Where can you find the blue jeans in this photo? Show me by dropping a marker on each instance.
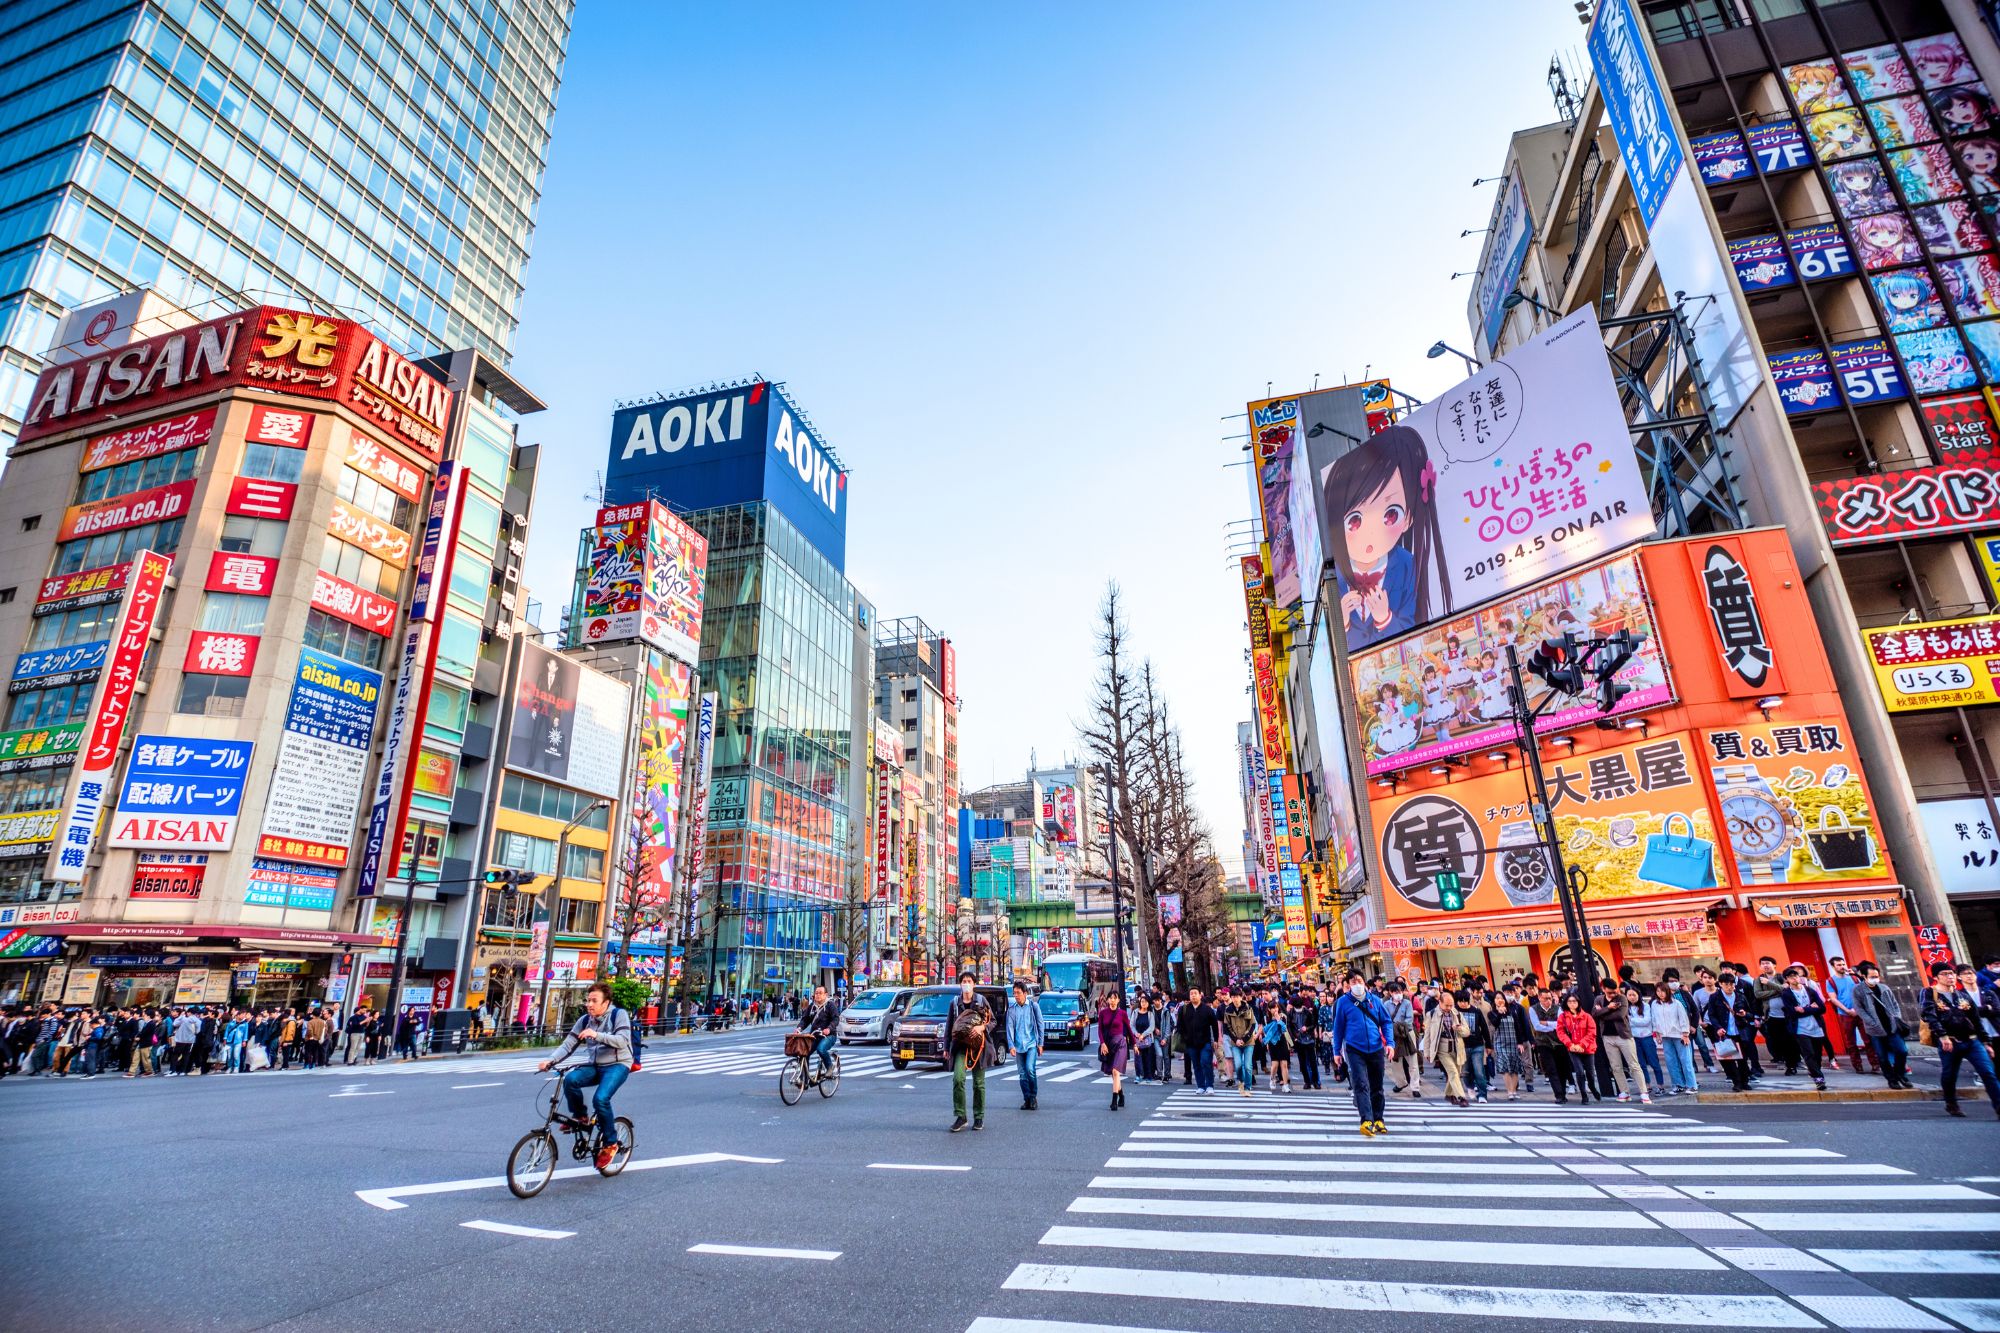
(1680, 1063)
(1027, 1060)
(1246, 1072)
(1203, 1059)
(1974, 1051)
(1892, 1053)
(1475, 1068)
(823, 1048)
(608, 1078)
(1649, 1061)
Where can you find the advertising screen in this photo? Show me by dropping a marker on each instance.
(1443, 692)
(1520, 472)
(664, 702)
(1274, 442)
(1336, 783)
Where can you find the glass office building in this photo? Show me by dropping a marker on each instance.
(778, 651)
(380, 160)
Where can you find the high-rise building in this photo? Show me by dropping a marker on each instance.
(916, 684)
(382, 162)
(783, 634)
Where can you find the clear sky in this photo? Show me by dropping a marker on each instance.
(1020, 262)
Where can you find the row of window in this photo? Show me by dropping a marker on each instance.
(531, 797)
(524, 851)
(138, 475)
(50, 707)
(115, 548)
(32, 791)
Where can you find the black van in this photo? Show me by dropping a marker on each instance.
(918, 1033)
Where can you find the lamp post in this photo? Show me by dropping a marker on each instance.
(1520, 298)
(555, 883)
(1440, 347)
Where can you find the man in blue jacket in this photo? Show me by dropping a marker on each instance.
(1360, 1037)
(1026, 1040)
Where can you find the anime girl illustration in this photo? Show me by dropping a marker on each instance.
(1838, 134)
(1381, 503)
(1909, 300)
(1950, 229)
(1980, 159)
(1860, 189)
(1878, 71)
(1816, 86)
(1886, 240)
(1966, 110)
(1936, 361)
(1941, 60)
(1394, 729)
(1974, 286)
(1492, 689)
(1902, 121)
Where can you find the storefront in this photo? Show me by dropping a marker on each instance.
(126, 964)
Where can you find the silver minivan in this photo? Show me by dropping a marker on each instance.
(868, 1015)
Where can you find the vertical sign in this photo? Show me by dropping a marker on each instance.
(107, 716)
(697, 807)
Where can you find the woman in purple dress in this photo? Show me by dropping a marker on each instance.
(1114, 1040)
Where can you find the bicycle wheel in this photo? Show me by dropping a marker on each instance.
(830, 1082)
(532, 1164)
(624, 1154)
(792, 1082)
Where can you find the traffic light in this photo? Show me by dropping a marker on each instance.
(510, 879)
(1451, 898)
(1555, 661)
(1615, 653)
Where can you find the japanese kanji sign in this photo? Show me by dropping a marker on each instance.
(255, 497)
(1937, 664)
(1794, 803)
(380, 462)
(106, 727)
(322, 762)
(213, 653)
(181, 792)
(53, 667)
(165, 436)
(358, 527)
(1956, 496)
(357, 606)
(86, 587)
(284, 426)
(1737, 627)
(229, 571)
(1965, 843)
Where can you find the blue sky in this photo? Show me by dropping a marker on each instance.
(1019, 262)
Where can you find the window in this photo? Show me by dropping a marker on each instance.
(213, 696)
(138, 475)
(530, 797)
(6, 596)
(358, 567)
(86, 624)
(328, 633)
(449, 707)
(31, 522)
(111, 548)
(371, 495)
(50, 707)
(576, 916)
(274, 462)
(234, 612)
(252, 536)
(458, 644)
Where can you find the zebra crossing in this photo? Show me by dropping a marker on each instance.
(1220, 1212)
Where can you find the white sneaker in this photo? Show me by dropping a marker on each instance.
(1645, 1100)
(1624, 1096)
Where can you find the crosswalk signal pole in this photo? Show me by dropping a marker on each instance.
(1568, 889)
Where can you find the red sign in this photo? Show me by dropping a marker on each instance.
(256, 497)
(290, 351)
(156, 505)
(165, 436)
(284, 426)
(84, 583)
(358, 527)
(374, 460)
(1960, 496)
(211, 653)
(441, 991)
(357, 606)
(1934, 946)
(298, 849)
(949, 673)
(167, 883)
(1962, 422)
(228, 571)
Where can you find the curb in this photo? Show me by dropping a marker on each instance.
(1814, 1095)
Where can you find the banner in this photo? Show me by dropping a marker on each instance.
(316, 784)
(697, 805)
(1263, 667)
(181, 792)
(1443, 693)
(299, 887)
(39, 747)
(1511, 477)
(1794, 806)
(106, 728)
(169, 877)
(1964, 841)
(51, 668)
(663, 725)
(1723, 158)
(1274, 440)
(1635, 819)
(645, 576)
(1937, 664)
(1959, 496)
(1804, 381)
(166, 436)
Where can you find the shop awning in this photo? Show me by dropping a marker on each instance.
(1680, 919)
(248, 938)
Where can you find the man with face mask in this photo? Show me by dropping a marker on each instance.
(1359, 1038)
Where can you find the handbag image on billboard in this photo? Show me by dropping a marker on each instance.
(1679, 860)
(1844, 847)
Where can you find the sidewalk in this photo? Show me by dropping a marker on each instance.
(1842, 1085)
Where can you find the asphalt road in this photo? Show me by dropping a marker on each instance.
(286, 1202)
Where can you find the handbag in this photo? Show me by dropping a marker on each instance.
(1679, 861)
(258, 1058)
(1843, 848)
(1727, 1049)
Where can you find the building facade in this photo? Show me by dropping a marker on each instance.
(382, 161)
(915, 695)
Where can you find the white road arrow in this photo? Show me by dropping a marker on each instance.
(388, 1199)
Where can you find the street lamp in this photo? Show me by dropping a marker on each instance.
(1440, 347)
(1321, 428)
(1522, 298)
(555, 883)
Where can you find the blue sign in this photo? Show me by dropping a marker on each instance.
(1868, 373)
(1761, 263)
(333, 700)
(1778, 147)
(137, 959)
(1723, 158)
(1634, 105)
(58, 666)
(1821, 252)
(182, 775)
(731, 446)
(833, 960)
(1804, 381)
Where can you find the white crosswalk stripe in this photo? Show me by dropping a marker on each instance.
(1222, 1212)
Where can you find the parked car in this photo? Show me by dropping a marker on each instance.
(918, 1033)
(1064, 1020)
(868, 1016)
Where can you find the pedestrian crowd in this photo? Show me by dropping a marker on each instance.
(181, 1040)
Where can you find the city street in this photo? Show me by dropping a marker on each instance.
(373, 1198)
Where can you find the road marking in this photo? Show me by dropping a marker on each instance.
(1236, 1185)
(1867, 1311)
(456, 1087)
(381, 1092)
(1625, 1154)
(913, 1166)
(1857, 1193)
(1567, 1307)
(1383, 1162)
(1842, 1169)
(1177, 1140)
(1981, 1316)
(1875, 1221)
(1689, 1219)
(1913, 1261)
(1771, 1259)
(1685, 1258)
(989, 1324)
(760, 1252)
(1618, 1219)
(1072, 1076)
(509, 1229)
(389, 1199)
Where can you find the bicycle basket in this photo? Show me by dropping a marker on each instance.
(798, 1043)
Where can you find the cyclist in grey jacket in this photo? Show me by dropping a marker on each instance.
(605, 1033)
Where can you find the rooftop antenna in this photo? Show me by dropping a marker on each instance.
(1568, 104)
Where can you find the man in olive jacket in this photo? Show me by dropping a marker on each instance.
(973, 1047)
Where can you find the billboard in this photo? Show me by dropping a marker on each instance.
(316, 784)
(1520, 472)
(98, 746)
(1336, 783)
(1937, 664)
(1271, 721)
(1965, 842)
(1794, 805)
(643, 579)
(49, 668)
(1444, 692)
(729, 446)
(1274, 440)
(181, 793)
(165, 436)
(1059, 813)
(1506, 248)
(544, 723)
(1961, 495)
(664, 699)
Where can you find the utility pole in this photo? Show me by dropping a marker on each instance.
(395, 1005)
(555, 884)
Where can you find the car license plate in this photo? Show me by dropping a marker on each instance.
(909, 1053)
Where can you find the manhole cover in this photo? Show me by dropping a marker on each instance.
(1206, 1115)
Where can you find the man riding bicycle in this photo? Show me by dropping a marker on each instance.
(821, 1019)
(607, 1033)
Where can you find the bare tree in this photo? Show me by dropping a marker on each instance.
(631, 913)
